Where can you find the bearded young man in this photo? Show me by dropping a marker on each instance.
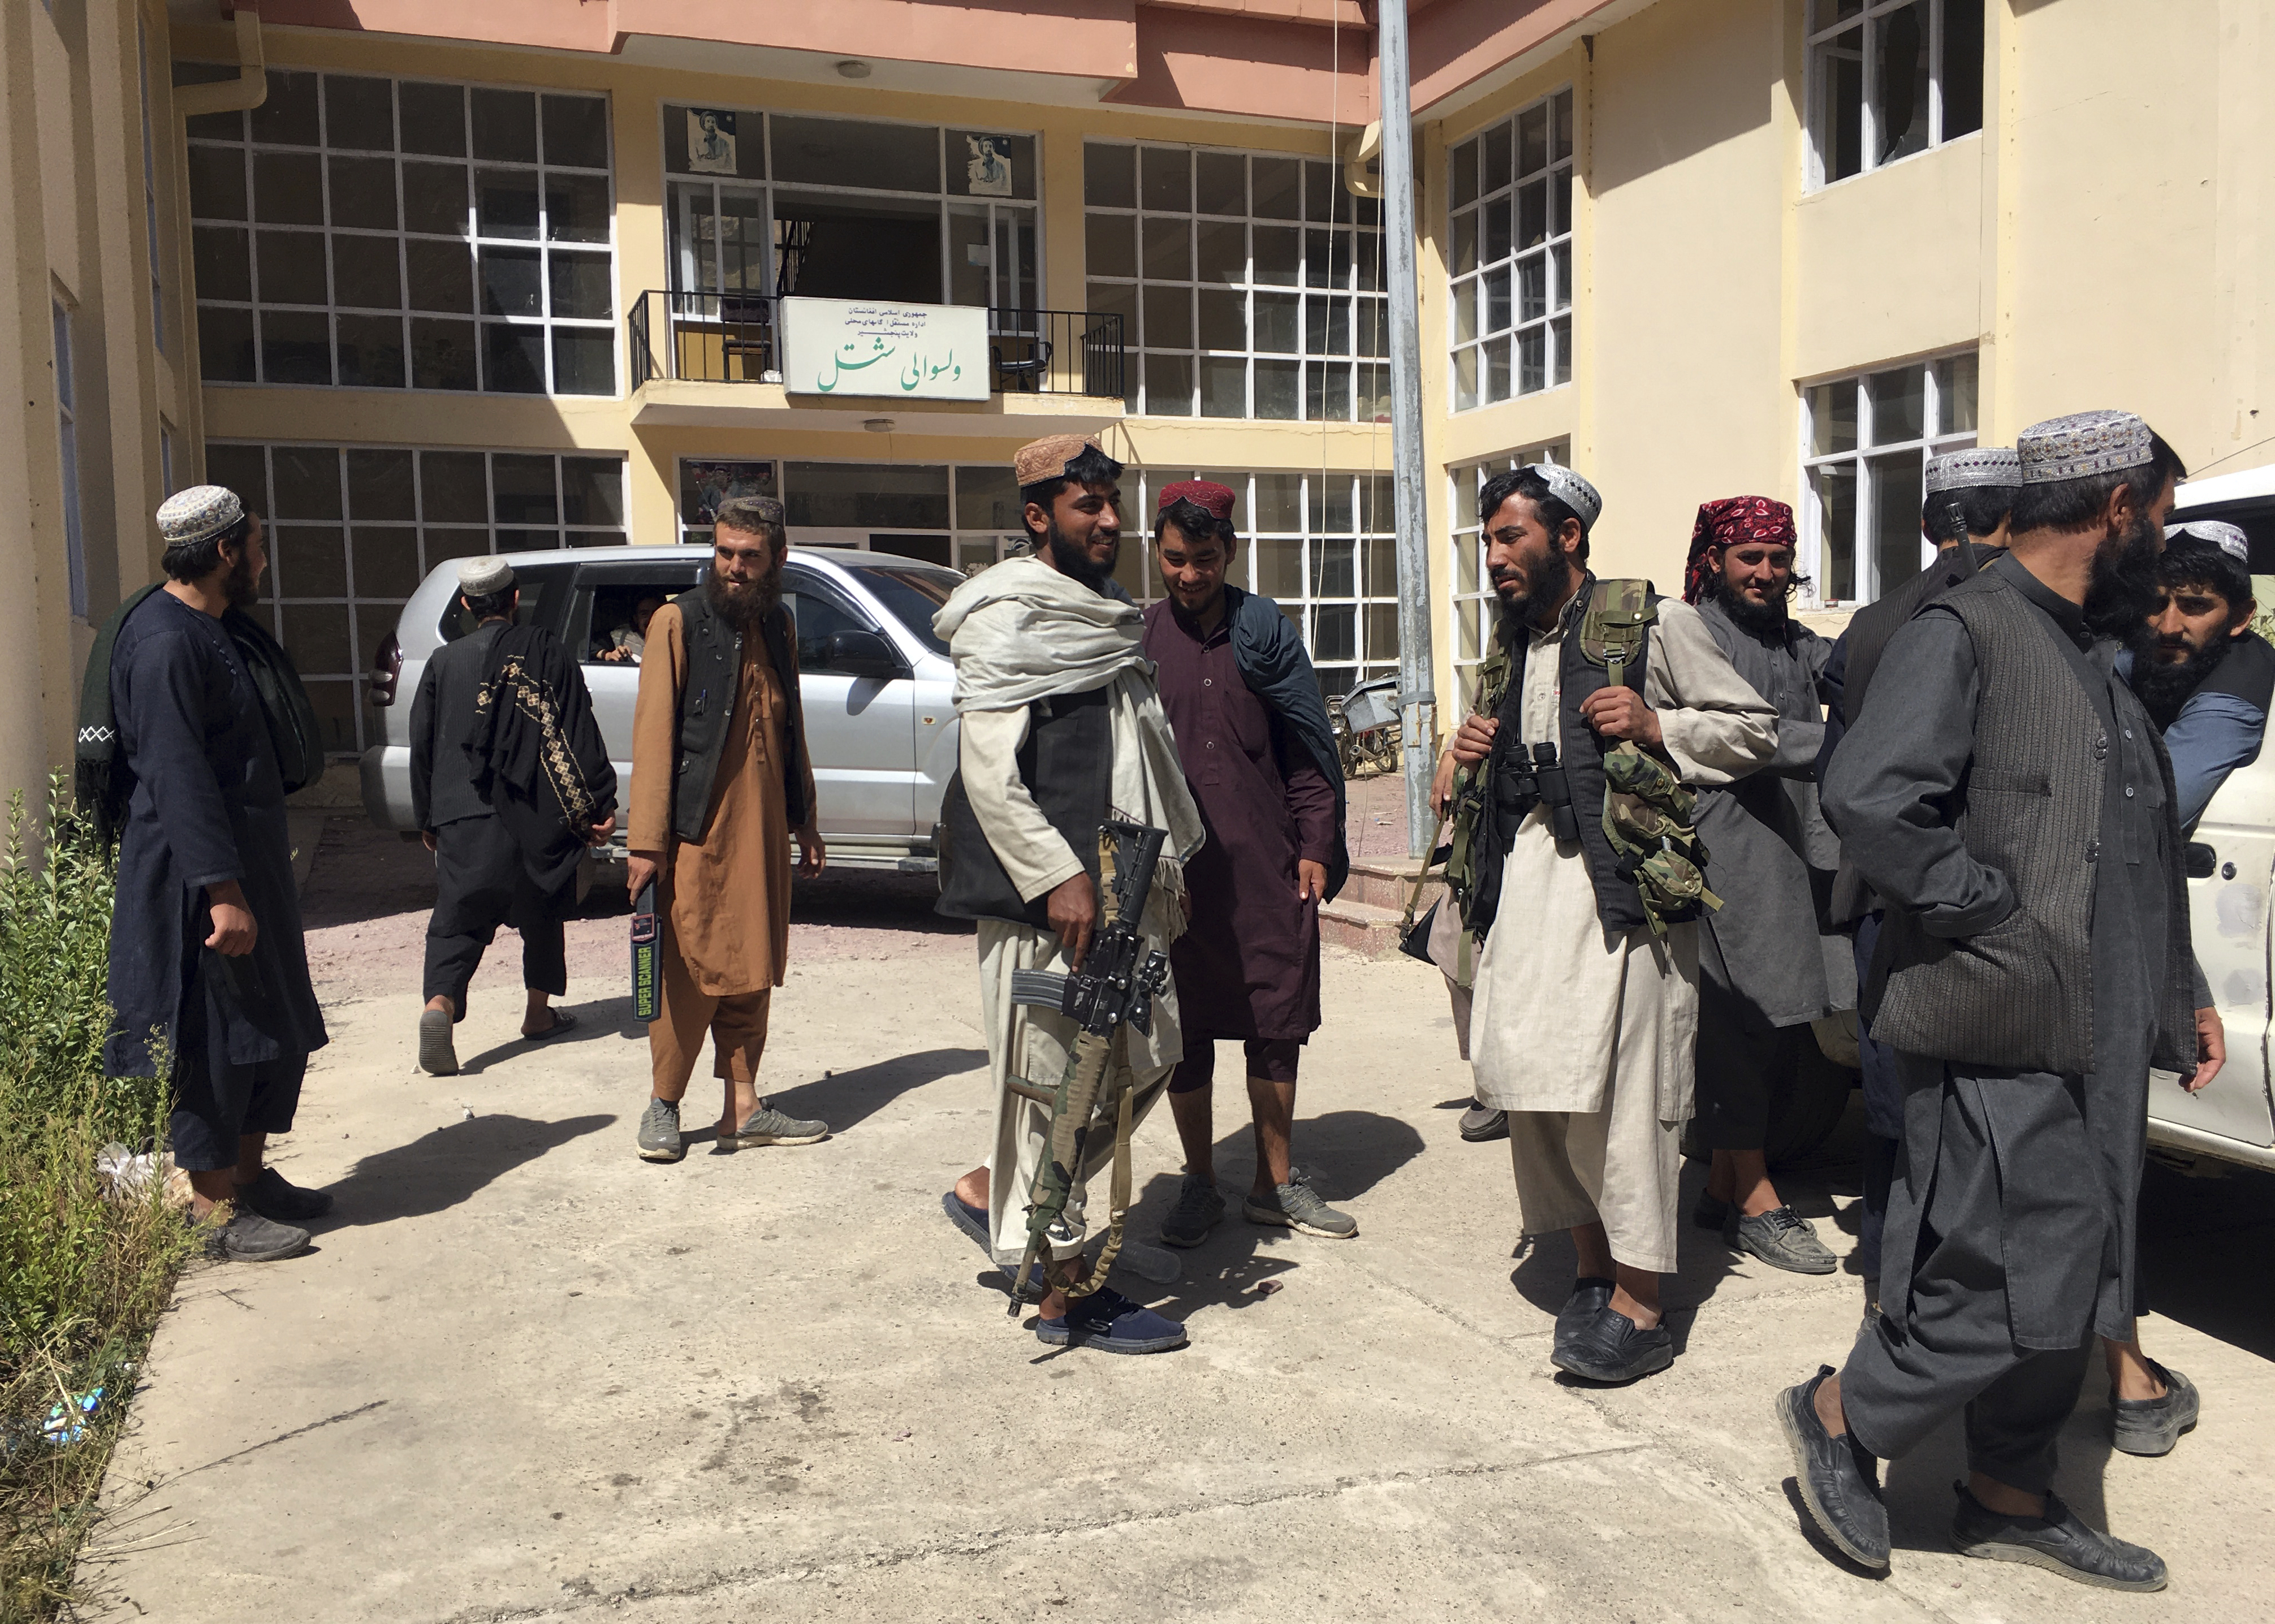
(1062, 729)
(1259, 758)
(2205, 675)
(1585, 1015)
(720, 786)
(199, 710)
(2015, 814)
(1768, 963)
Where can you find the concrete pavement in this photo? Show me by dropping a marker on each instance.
(526, 1376)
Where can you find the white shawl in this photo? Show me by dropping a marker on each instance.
(1022, 632)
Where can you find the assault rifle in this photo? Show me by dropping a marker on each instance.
(1113, 988)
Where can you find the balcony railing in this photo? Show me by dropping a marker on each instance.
(736, 338)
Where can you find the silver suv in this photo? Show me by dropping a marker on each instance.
(880, 725)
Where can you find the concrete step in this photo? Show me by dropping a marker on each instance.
(1386, 882)
(1361, 927)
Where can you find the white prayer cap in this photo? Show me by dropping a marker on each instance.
(197, 514)
(2227, 538)
(1981, 465)
(1570, 489)
(2082, 445)
(483, 574)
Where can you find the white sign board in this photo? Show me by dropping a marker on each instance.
(838, 346)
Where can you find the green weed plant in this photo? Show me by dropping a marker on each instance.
(85, 1270)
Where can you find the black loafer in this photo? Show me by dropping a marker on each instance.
(2057, 1542)
(1589, 1296)
(2153, 1426)
(280, 1202)
(1838, 1481)
(1480, 1123)
(1610, 1348)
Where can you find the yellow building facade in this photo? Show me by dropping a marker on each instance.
(471, 284)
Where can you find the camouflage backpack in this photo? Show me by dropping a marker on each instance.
(1649, 817)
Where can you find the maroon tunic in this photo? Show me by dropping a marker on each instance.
(1248, 964)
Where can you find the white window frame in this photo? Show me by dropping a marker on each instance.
(1823, 42)
(1351, 384)
(1481, 347)
(67, 445)
(1943, 405)
(368, 240)
(1476, 606)
(1005, 271)
(370, 618)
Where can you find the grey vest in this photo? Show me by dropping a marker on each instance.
(2020, 995)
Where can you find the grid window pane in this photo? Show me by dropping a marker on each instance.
(1867, 442)
(1510, 234)
(1251, 230)
(364, 191)
(1890, 79)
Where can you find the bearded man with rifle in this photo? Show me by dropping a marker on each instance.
(1062, 734)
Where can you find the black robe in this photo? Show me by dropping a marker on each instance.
(208, 806)
(535, 753)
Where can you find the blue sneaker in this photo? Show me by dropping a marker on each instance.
(1111, 1323)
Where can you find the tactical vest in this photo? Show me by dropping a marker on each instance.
(1067, 764)
(707, 704)
(1581, 752)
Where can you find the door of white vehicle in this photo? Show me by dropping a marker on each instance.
(860, 702)
(2231, 875)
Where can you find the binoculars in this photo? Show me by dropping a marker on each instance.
(1523, 783)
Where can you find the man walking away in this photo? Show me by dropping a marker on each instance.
(721, 785)
(484, 877)
(1768, 963)
(1969, 496)
(2015, 812)
(205, 937)
(1062, 730)
(1259, 758)
(1587, 991)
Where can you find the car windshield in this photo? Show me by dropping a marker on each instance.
(914, 594)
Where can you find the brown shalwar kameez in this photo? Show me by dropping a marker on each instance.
(723, 901)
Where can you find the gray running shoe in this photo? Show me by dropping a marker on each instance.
(1782, 1238)
(768, 1126)
(436, 1056)
(1480, 1123)
(1297, 1206)
(1198, 1208)
(658, 1131)
(247, 1237)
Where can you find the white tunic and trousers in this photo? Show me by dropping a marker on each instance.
(1584, 1039)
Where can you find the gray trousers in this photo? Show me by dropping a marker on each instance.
(1953, 1345)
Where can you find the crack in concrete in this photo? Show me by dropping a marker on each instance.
(345, 1414)
(979, 1544)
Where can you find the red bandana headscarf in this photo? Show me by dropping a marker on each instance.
(1731, 522)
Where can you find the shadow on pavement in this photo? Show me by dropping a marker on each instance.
(608, 1018)
(848, 1098)
(438, 1170)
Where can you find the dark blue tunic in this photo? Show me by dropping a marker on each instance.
(208, 806)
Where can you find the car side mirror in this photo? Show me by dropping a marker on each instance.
(2201, 860)
(865, 653)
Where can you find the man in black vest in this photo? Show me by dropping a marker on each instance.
(1061, 729)
(1585, 1014)
(1970, 496)
(2016, 815)
(1768, 965)
(720, 786)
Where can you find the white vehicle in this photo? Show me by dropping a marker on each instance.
(2231, 865)
(880, 728)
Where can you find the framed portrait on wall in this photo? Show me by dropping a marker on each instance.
(987, 171)
(710, 141)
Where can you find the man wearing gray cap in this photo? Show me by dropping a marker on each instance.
(206, 950)
(493, 865)
(1969, 496)
(2016, 815)
(1586, 992)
